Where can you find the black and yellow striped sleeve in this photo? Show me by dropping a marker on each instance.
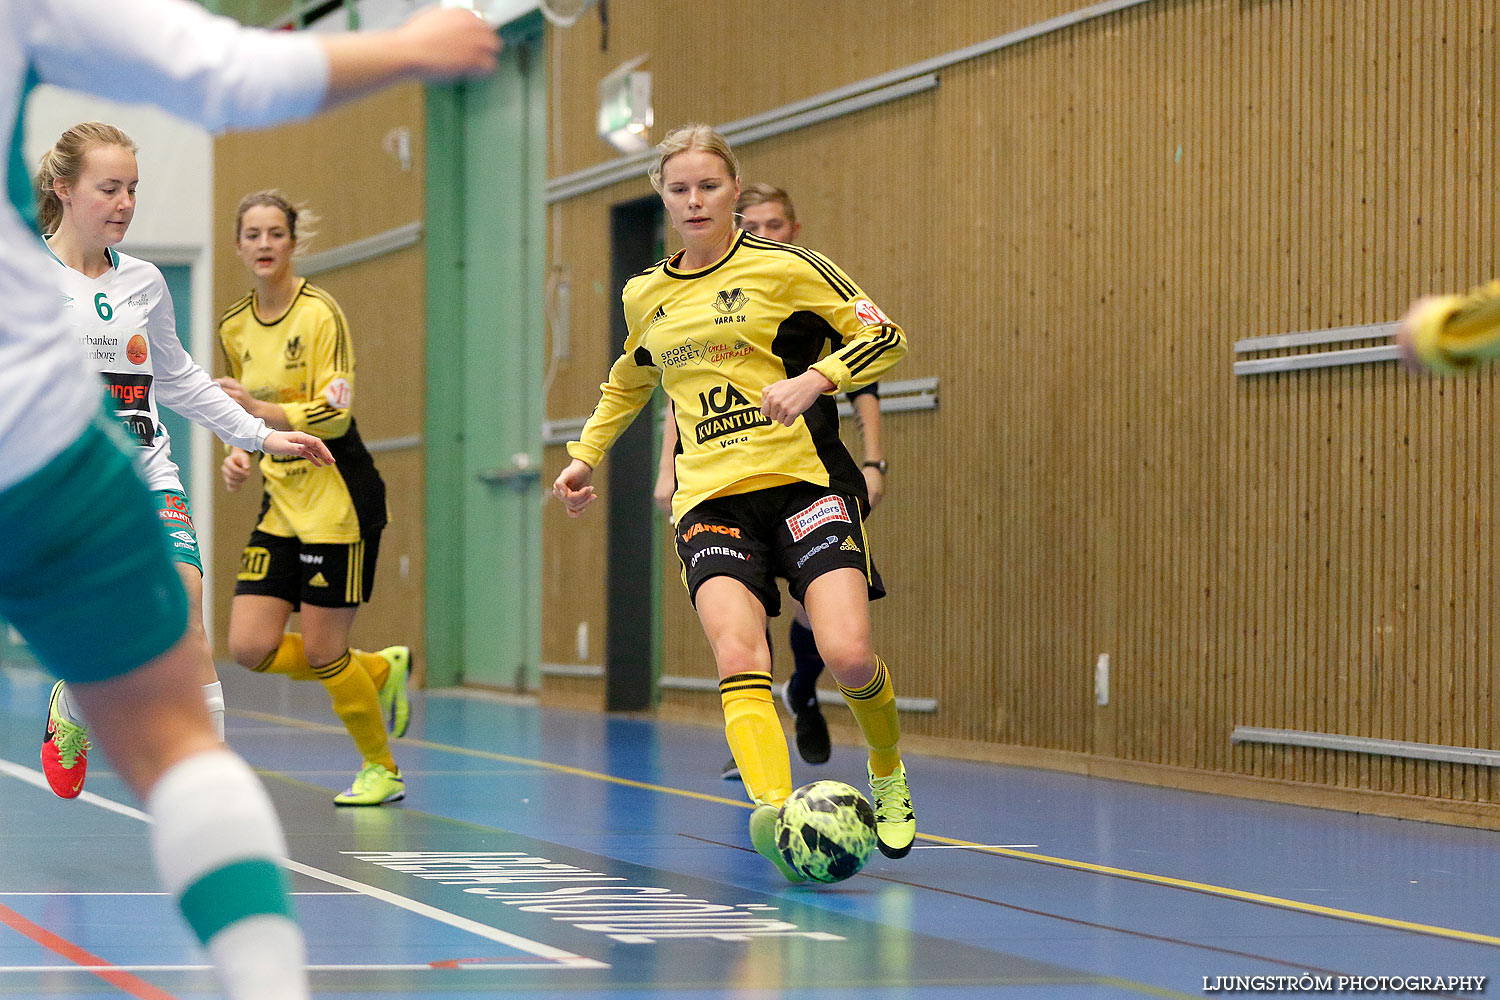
(329, 408)
(871, 343)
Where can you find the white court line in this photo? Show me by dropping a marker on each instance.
(310, 968)
(566, 958)
(557, 957)
(968, 847)
(37, 778)
(105, 892)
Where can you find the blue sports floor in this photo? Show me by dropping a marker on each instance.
(551, 853)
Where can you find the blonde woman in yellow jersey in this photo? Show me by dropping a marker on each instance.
(767, 211)
(751, 339)
(291, 363)
(1449, 334)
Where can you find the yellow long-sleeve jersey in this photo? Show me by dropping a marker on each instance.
(715, 338)
(1453, 333)
(304, 361)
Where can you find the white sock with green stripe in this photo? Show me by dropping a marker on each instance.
(217, 844)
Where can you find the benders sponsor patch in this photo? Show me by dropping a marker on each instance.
(829, 509)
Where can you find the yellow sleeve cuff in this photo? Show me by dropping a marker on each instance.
(836, 372)
(585, 453)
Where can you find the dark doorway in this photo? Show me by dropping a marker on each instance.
(632, 639)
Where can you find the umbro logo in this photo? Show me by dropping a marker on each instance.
(730, 300)
(849, 546)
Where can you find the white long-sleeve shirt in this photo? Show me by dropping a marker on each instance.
(126, 324)
(170, 53)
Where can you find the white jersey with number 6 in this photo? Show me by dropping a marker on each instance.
(126, 325)
(171, 53)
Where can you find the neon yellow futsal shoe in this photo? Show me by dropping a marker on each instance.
(65, 751)
(895, 823)
(395, 705)
(374, 785)
(763, 839)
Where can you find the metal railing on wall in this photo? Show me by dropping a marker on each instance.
(1366, 744)
(1299, 359)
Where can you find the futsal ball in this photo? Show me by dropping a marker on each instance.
(826, 831)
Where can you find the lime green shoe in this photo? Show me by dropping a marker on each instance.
(763, 839)
(374, 785)
(895, 823)
(395, 706)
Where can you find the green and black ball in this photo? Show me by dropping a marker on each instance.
(826, 831)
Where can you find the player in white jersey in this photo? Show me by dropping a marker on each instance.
(121, 312)
(74, 514)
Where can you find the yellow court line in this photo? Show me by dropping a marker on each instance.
(1083, 866)
(1219, 890)
(492, 755)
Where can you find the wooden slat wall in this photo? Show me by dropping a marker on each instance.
(1074, 232)
(337, 165)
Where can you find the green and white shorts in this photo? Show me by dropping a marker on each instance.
(85, 574)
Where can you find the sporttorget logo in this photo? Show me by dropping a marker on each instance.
(715, 352)
(677, 357)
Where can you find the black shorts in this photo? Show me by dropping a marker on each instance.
(326, 576)
(797, 532)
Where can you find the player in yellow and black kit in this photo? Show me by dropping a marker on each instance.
(1449, 334)
(751, 339)
(291, 364)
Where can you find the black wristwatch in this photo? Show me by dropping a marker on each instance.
(880, 465)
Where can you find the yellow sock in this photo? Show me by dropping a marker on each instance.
(755, 736)
(357, 704)
(874, 708)
(373, 664)
(289, 659)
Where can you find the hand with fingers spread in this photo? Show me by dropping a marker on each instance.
(299, 444)
(573, 489)
(788, 399)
